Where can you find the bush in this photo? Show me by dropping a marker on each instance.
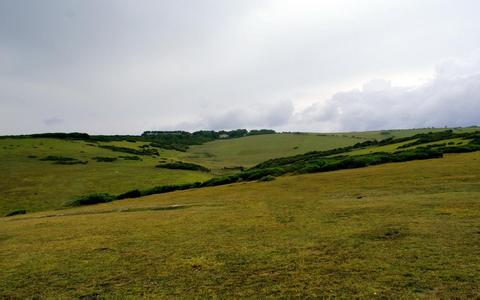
(179, 165)
(419, 153)
(170, 188)
(16, 212)
(62, 160)
(129, 194)
(250, 175)
(267, 178)
(75, 162)
(104, 159)
(91, 199)
(220, 180)
(133, 157)
(57, 158)
(130, 150)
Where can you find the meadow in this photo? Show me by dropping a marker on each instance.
(409, 230)
(31, 183)
(383, 214)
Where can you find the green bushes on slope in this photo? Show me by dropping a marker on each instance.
(311, 162)
(179, 165)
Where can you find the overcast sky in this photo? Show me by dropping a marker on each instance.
(125, 66)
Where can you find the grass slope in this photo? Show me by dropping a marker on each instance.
(251, 150)
(404, 229)
(32, 184)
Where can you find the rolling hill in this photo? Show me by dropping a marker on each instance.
(407, 229)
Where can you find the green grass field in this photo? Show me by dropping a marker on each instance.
(251, 150)
(401, 230)
(31, 184)
(399, 133)
(34, 185)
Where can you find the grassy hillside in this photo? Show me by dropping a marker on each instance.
(33, 181)
(403, 229)
(251, 150)
(32, 184)
(401, 133)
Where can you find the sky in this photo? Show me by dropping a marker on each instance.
(126, 66)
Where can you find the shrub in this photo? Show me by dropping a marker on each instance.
(220, 180)
(104, 159)
(16, 212)
(170, 188)
(250, 175)
(179, 165)
(133, 157)
(419, 153)
(130, 150)
(75, 162)
(91, 199)
(267, 178)
(62, 160)
(129, 194)
(57, 158)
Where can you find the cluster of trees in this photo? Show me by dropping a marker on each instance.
(181, 140)
(171, 140)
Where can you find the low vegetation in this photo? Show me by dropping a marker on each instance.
(104, 159)
(143, 151)
(16, 213)
(62, 160)
(180, 165)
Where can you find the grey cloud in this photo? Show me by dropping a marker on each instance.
(272, 115)
(53, 121)
(452, 98)
(124, 66)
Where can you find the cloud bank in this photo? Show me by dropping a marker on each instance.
(123, 66)
(451, 98)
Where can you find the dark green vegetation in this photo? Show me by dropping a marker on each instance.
(142, 151)
(62, 160)
(180, 165)
(401, 230)
(91, 199)
(16, 212)
(104, 159)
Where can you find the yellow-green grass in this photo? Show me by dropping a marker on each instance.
(31, 184)
(402, 230)
(394, 147)
(251, 150)
(400, 133)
